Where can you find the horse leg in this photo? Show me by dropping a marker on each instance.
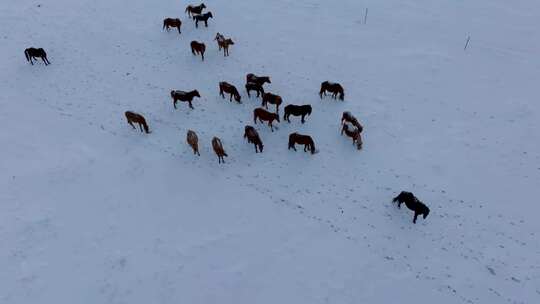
(415, 216)
(47, 59)
(174, 103)
(44, 60)
(140, 126)
(206, 23)
(248, 93)
(190, 105)
(196, 23)
(303, 118)
(179, 32)
(399, 204)
(131, 124)
(202, 55)
(271, 127)
(230, 98)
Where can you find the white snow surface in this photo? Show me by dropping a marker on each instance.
(92, 211)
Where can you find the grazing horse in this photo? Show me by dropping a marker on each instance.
(252, 86)
(260, 80)
(264, 115)
(253, 138)
(218, 148)
(198, 48)
(348, 117)
(273, 99)
(334, 88)
(193, 141)
(203, 17)
(306, 140)
(225, 87)
(172, 22)
(412, 203)
(137, 118)
(195, 9)
(33, 53)
(178, 95)
(354, 134)
(297, 111)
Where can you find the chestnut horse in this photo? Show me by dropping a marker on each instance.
(306, 140)
(218, 148)
(203, 17)
(252, 86)
(412, 203)
(133, 117)
(273, 99)
(334, 88)
(170, 22)
(33, 53)
(253, 138)
(354, 134)
(195, 9)
(297, 111)
(178, 95)
(263, 116)
(193, 141)
(348, 117)
(229, 89)
(260, 80)
(198, 48)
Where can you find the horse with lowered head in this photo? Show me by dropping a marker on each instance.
(263, 116)
(172, 22)
(133, 117)
(253, 138)
(412, 203)
(225, 87)
(193, 141)
(306, 140)
(34, 53)
(334, 88)
(273, 99)
(354, 134)
(348, 117)
(295, 110)
(218, 149)
(198, 48)
(195, 9)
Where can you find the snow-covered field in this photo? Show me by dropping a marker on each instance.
(92, 211)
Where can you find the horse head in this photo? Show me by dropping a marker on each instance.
(196, 93)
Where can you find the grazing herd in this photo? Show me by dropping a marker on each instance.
(350, 125)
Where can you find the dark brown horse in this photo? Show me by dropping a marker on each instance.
(198, 48)
(218, 148)
(260, 80)
(306, 140)
(412, 203)
(263, 116)
(253, 138)
(252, 86)
(195, 9)
(178, 95)
(334, 88)
(273, 99)
(225, 87)
(348, 117)
(172, 22)
(297, 111)
(202, 17)
(353, 133)
(133, 117)
(34, 53)
(193, 141)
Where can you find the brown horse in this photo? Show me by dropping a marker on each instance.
(170, 22)
(260, 80)
(253, 138)
(225, 45)
(252, 86)
(295, 110)
(178, 95)
(273, 99)
(203, 17)
(193, 141)
(218, 148)
(198, 48)
(195, 9)
(348, 117)
(34, 53)
(354, 134)
(225, 87)
(263, 116)
(133, 117)
(334, 88)
(307, 141)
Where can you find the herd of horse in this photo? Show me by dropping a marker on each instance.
(350, 124)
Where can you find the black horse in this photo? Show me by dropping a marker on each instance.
(33, 53)
(203, 17)
(297, 111)
(412, 203)
(252, 86)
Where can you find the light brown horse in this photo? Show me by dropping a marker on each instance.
(273, 99)
(193, 141)
(263, 116)
(223, 43)
(348, 117)
(172, 22)
(354, 134)
(334, 88)
(306, 140)
(218, 148)
(225, 87)
(198, 48)
(178, 95)
(195, 9)
(253, 138)
(133, 117)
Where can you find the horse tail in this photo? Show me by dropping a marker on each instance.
(27, 55)
(187, 9)
(312, 147)
(341, 95)
(254, 117)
